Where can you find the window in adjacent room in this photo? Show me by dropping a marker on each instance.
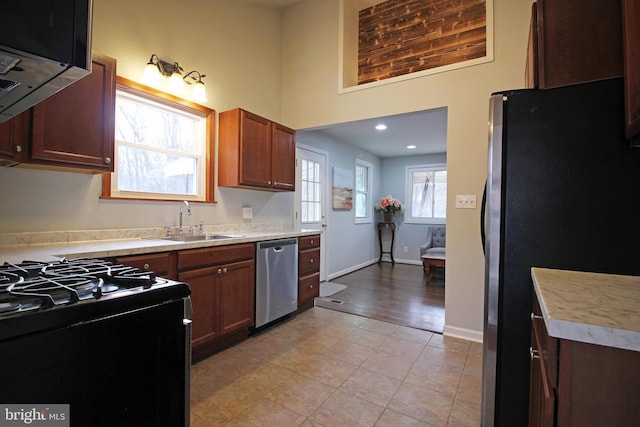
(426, 194)
(363, 203)
(162, 147)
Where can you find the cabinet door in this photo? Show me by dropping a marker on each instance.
(205, 302)
(14, 138)
(542, 400)
(237, 298)
(631, 23)
(578, 41)
(75, 127)
(255, 151)
(283, 161)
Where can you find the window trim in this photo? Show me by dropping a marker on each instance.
(368, 219)
(139, 89)
(409, 193)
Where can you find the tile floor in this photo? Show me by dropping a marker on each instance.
(328, 368)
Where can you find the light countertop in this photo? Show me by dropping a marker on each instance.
(123, 244)
(595, 308)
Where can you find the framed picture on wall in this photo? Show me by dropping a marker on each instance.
(342, 189)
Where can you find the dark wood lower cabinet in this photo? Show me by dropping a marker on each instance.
(578, 384)
(308, 271)
(222, 281)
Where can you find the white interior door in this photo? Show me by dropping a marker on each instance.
(311, 196)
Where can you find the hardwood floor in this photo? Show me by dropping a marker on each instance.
(392, 293)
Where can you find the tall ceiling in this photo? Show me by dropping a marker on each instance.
(427, 130)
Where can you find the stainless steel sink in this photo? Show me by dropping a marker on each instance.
(198, 238)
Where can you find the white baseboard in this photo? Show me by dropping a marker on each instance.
(351, 269)
(466, 334)
(368, 263)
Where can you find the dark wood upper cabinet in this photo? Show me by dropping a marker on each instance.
(283, 157)
(576, 41)
(631, 31)
(75, 127)
(14, 139)
(255, 152)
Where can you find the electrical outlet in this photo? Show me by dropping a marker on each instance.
(406, 249)
(465, 201)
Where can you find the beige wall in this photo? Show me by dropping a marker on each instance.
(311, 99)
(238, 47)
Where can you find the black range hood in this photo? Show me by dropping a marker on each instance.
(45, 45)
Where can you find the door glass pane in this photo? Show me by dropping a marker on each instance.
(310, 194)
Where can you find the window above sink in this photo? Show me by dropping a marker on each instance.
(164, 147)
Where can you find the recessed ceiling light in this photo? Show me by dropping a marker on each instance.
(411, 147)
(381, 126)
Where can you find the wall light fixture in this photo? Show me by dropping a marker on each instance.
(157, 68)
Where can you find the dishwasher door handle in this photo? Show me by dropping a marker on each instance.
(278, 249)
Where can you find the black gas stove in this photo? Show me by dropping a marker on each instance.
(80, 331)
(65, 291)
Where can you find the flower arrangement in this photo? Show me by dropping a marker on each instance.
(389, 205)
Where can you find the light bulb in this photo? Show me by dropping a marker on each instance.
(176, 84)
(151, 75)
(199, 93)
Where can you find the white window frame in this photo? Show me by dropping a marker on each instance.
(368, 218)
(205, 158)
(408, 218)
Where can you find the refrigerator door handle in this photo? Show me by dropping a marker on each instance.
(483, 219)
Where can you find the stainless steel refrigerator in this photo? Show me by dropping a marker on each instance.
(563, 191)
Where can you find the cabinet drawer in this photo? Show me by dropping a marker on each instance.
(309, 242)
(309, 287)
(162, 264)
(196, 258)
(308, 262)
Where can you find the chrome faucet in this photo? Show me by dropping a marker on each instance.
(184, 203)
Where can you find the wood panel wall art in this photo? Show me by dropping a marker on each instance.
(399, 37)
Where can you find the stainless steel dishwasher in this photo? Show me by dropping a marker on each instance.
(276, 279)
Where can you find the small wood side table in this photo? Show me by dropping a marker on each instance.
(386, 226)
(432, 260)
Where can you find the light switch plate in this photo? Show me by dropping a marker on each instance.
(465, 201)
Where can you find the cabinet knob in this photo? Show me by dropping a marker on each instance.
(224, 270)
(311, 286)
(312, 241)
(535, 316)
(534, 353)
(18, 148)
(219, 271)
(311, 260)
(107, 160)
(146, 266)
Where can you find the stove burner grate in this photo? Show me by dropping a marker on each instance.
(36, 286)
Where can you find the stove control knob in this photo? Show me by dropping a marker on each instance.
(107, 160)
(18, 148)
